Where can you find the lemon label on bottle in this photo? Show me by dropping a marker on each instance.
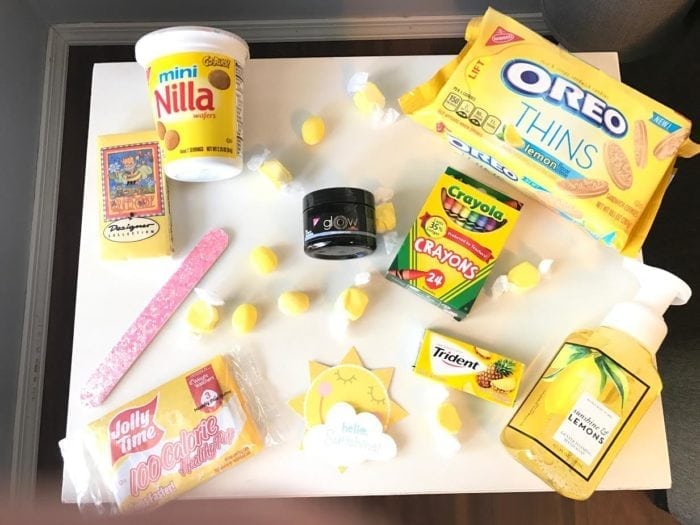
(578, 407)
(586, 428)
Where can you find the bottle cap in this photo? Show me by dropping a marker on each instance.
(642, 318)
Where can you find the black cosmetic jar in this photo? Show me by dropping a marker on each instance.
(339, 223)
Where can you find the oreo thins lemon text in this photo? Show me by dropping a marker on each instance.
(595, 150)
(454, 242)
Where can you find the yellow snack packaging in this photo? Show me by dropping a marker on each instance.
(165, 442)
(454, 242)
(595, 150)
(468, 368)
(134, 213)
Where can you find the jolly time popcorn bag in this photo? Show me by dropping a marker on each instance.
(158, 446)
(593, 149)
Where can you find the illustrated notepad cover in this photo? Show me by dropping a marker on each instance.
(134, 208)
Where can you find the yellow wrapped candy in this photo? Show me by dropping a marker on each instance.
(244, 318)
(263, 259)
(293, 303)
(276, 173)
(524, 275)
(352, 303)
(312, 130)
(385, 217)
(202, 317)
(369, 99)
(448, 418)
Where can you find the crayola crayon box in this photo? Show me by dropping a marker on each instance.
(454, 242)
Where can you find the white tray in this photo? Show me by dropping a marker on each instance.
(587, 280)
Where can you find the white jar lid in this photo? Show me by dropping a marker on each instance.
(181, 39)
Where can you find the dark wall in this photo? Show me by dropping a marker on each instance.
(23, 43)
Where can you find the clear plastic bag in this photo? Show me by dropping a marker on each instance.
(169, 440)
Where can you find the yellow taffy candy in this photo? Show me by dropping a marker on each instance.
(312, 130)
(202, 317)
(448, 418)
(369, 99)
(524, 275)
(276, 173)
(385, 217)
(352, 303)
(263, 259)
(244, 318)
(293, 303)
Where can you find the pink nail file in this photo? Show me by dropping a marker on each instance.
(149, 322)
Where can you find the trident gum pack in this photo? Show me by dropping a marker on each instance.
(454, 242)
(468, 368)
(582, 143)
(163, 443)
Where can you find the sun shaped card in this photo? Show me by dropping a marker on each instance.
(349, 382)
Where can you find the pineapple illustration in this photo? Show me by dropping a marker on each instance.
(498, 370)
(504, 385)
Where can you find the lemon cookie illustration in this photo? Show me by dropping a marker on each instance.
(512, 137)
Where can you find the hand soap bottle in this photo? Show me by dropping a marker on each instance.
(600, 383)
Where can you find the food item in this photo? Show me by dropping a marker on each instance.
(263, 259)
(134, 206)
(293, 303)
(339, 223)
(534, 115)
(524, 275)
(195, 82)
(312, 130)
(468, 368)
(244, 318)
(219, 79)
(276, 173)
(584, 188)
(165, 442)
(455, 240)
(369, 99)
(599, 385)
(521, 277)
(641, 144)
(153, 317)
(351, 303)
(618, 166)
(202, 317)
(448, 418)
(385, 217)
(171, 139)
(497, 370)
(668, 146)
